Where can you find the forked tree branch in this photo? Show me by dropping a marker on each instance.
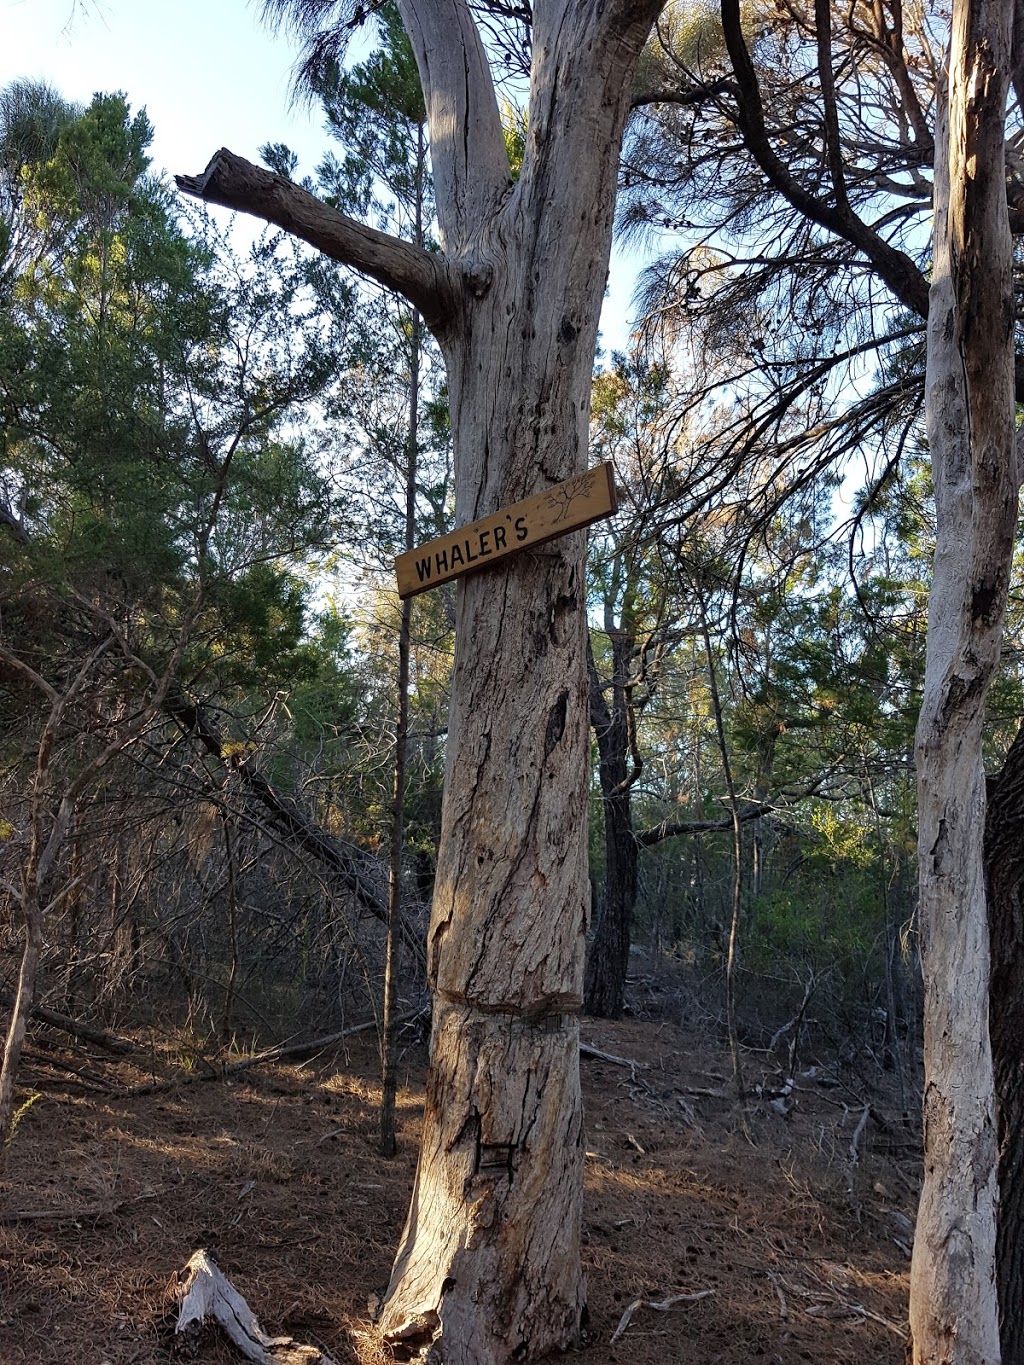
(467, 146)
(895, 267)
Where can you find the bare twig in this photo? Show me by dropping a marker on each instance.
(660, 1307)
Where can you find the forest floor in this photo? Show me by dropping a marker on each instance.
(797, 1237)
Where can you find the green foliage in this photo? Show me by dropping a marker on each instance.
(514, 126)
(375, 110)
(145, 384)
(20, 1112)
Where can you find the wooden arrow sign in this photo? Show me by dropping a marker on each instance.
(565, 507)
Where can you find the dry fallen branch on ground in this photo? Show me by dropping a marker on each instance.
(75, 1214)
(85, 1033)
(662, 1307)
(597, 1055)
(783, 1305)
(830, 1305)
(858, 1133)
(689, 1115)
(854, 1310)
(207, 1295)
(290, 1052)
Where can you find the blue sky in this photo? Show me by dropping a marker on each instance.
(209, 74)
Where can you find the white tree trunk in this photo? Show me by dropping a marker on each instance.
(970, 410)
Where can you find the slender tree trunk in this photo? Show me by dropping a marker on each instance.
(32, 916)
(608, 961)
(732, 954)
(970, 411)
(232, 890)
(389, 1068)
(389, 1024)
(75, 916)
(892, 1038)
(389, 1050)
(757, 856)
(1004, 879)
(762, 786)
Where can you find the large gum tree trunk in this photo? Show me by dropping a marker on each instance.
(970, 412)
(489, 1265)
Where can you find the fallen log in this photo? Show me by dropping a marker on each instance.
(85, 1033)
(206, 1295)
(346, 862)
(292, 1052)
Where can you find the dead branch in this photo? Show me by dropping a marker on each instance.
(783, 1305)
(689, 1115)
(342, 857)
(88, 1080)
(858, 1133)
(284, 1052)
(598, 1056)
(423, 277)
(662, 1307)
(207, 1295)
(75, 1215)
(836, 1311)
(85, 1033)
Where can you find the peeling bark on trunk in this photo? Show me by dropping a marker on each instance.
(970, 412)
(489, 1266)
(480, 1269)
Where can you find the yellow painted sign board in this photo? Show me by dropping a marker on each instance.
(566, 507)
